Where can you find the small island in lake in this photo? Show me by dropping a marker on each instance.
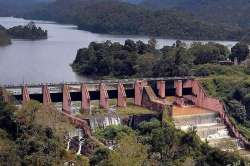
(4, 38)
(29, 31)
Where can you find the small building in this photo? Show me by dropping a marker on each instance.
(226, 62)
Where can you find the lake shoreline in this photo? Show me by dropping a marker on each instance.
(127, 35)
(49, 60)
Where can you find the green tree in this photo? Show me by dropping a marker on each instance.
(246, 101)
(147, 127)
(239, 51)
(26, 115)
(142, 48)
(152, 42)
(100, 157)
(145, 64)
(7, 119)
(128, 152)
(237, 110)
(113, 132)
(175, 62)
(208, 53)
(179, 43)
(130, 45)
(238, 94)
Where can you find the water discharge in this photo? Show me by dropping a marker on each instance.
(104, 121)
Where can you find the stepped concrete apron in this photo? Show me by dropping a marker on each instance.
(208, 126)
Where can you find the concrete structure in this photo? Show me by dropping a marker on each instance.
(97, 90)
(85, 98)
(46, 95)
(25, 93)
(122, 97)
(66, 99)
(104, 97)
(178, 85)
(138, 92)
(151, 93)
(161, 86)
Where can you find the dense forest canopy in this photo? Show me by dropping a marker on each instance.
(230, 12)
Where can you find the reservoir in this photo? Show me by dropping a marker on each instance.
(48, 61)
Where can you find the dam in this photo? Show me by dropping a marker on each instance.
(182, 98)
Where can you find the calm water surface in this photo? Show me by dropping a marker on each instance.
(49, 60)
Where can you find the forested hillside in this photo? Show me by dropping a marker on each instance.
(16, 7)
(36, 135)
(109, 16)
(231, 12)
(132, 1)
(121, 17)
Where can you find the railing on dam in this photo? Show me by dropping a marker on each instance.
(111, 81)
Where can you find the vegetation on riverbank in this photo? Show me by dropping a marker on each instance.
(138, 59)
(4, 38)
(29, 32)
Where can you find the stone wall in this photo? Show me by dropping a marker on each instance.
(201, 99)
(152, 102)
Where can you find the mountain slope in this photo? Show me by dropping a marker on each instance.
(230, 12)
(110, 16)
(132, 1)
(15, 7)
